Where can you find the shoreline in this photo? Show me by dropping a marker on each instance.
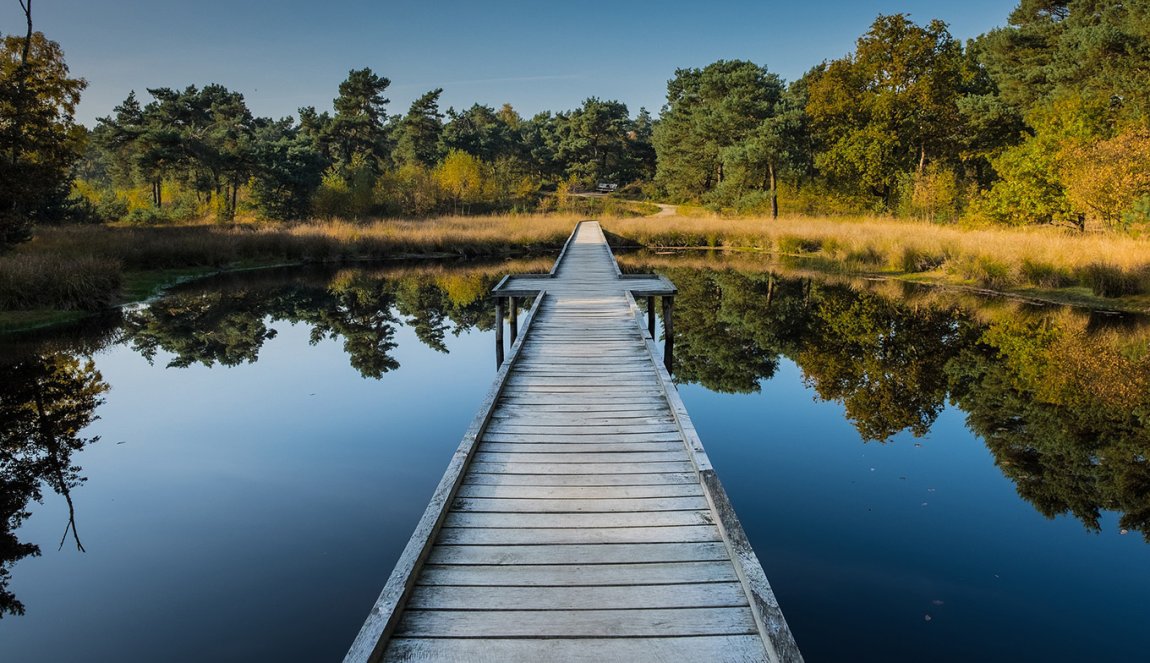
(68, 274)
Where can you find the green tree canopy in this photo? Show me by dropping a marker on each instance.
(889, 107)
(39, 138)
(708, 110)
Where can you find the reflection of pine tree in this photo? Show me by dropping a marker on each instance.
(1063, 406)
(45, 403)
(229, 325)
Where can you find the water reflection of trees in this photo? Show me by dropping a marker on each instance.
(229, 323)
(1062, 400)
(46, 401)
(50, 388)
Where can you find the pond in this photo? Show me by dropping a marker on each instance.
(231, 472)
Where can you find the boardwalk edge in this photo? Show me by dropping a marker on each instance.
(372, 639)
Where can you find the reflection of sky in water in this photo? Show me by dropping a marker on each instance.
(255, 513)
(251, 512)
(860, 541)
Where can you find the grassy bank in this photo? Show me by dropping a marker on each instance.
(92, 267)
(87, 268)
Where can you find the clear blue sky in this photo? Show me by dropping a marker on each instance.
(535, 55)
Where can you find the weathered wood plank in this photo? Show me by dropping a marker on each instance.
(586, 575)
(579, 468)
(548, 624)
(558, 436)
(578, 505)
(589, 419)
(701, 595)
(576, 520)
(545, 427)
(478, 536)
(590, 401)
(647, 479)
(607, 457)
(617, 553)
(729, 648)
(469, 489)
(509, 408)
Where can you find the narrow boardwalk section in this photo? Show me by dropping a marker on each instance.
(580, 519)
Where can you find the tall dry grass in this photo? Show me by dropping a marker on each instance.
(81, 267)
(998, 258)
(38, 281)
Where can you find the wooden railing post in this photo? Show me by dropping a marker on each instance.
(513, 319)
(498, 332)
(651, 317)
(668, 332)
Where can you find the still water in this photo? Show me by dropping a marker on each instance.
(925, 476)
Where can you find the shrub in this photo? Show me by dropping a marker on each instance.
(795, 244)
(915, 259)
(1110, 281)
(147, 216)
(1044, 275)
(984, 271)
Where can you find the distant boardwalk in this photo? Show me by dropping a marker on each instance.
(580, 518)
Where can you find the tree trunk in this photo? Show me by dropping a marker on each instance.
(774, 192)
(921, 158)
(26, 5)
(51, 445)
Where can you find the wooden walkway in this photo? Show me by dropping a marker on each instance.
(580, 518)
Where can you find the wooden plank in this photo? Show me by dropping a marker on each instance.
(592, 383)
(632, 418)
(604, 392)
(544, 426)
(548, 624)
(589, 401)
(579, 468)
(727, 648)
(512, 408)
(576, 520)
(581, 479)
(479, 536)
(616, 553)
(587, 575)
(556, 455)
(577, 505)
(574, 448)
(559, 436)
(700, 595)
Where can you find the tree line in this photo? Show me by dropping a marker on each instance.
(1042, 121)
(204, 145)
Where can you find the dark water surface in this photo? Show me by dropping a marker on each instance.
(924, 476)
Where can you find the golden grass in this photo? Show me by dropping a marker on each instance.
(80, 267)
(998, 258)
